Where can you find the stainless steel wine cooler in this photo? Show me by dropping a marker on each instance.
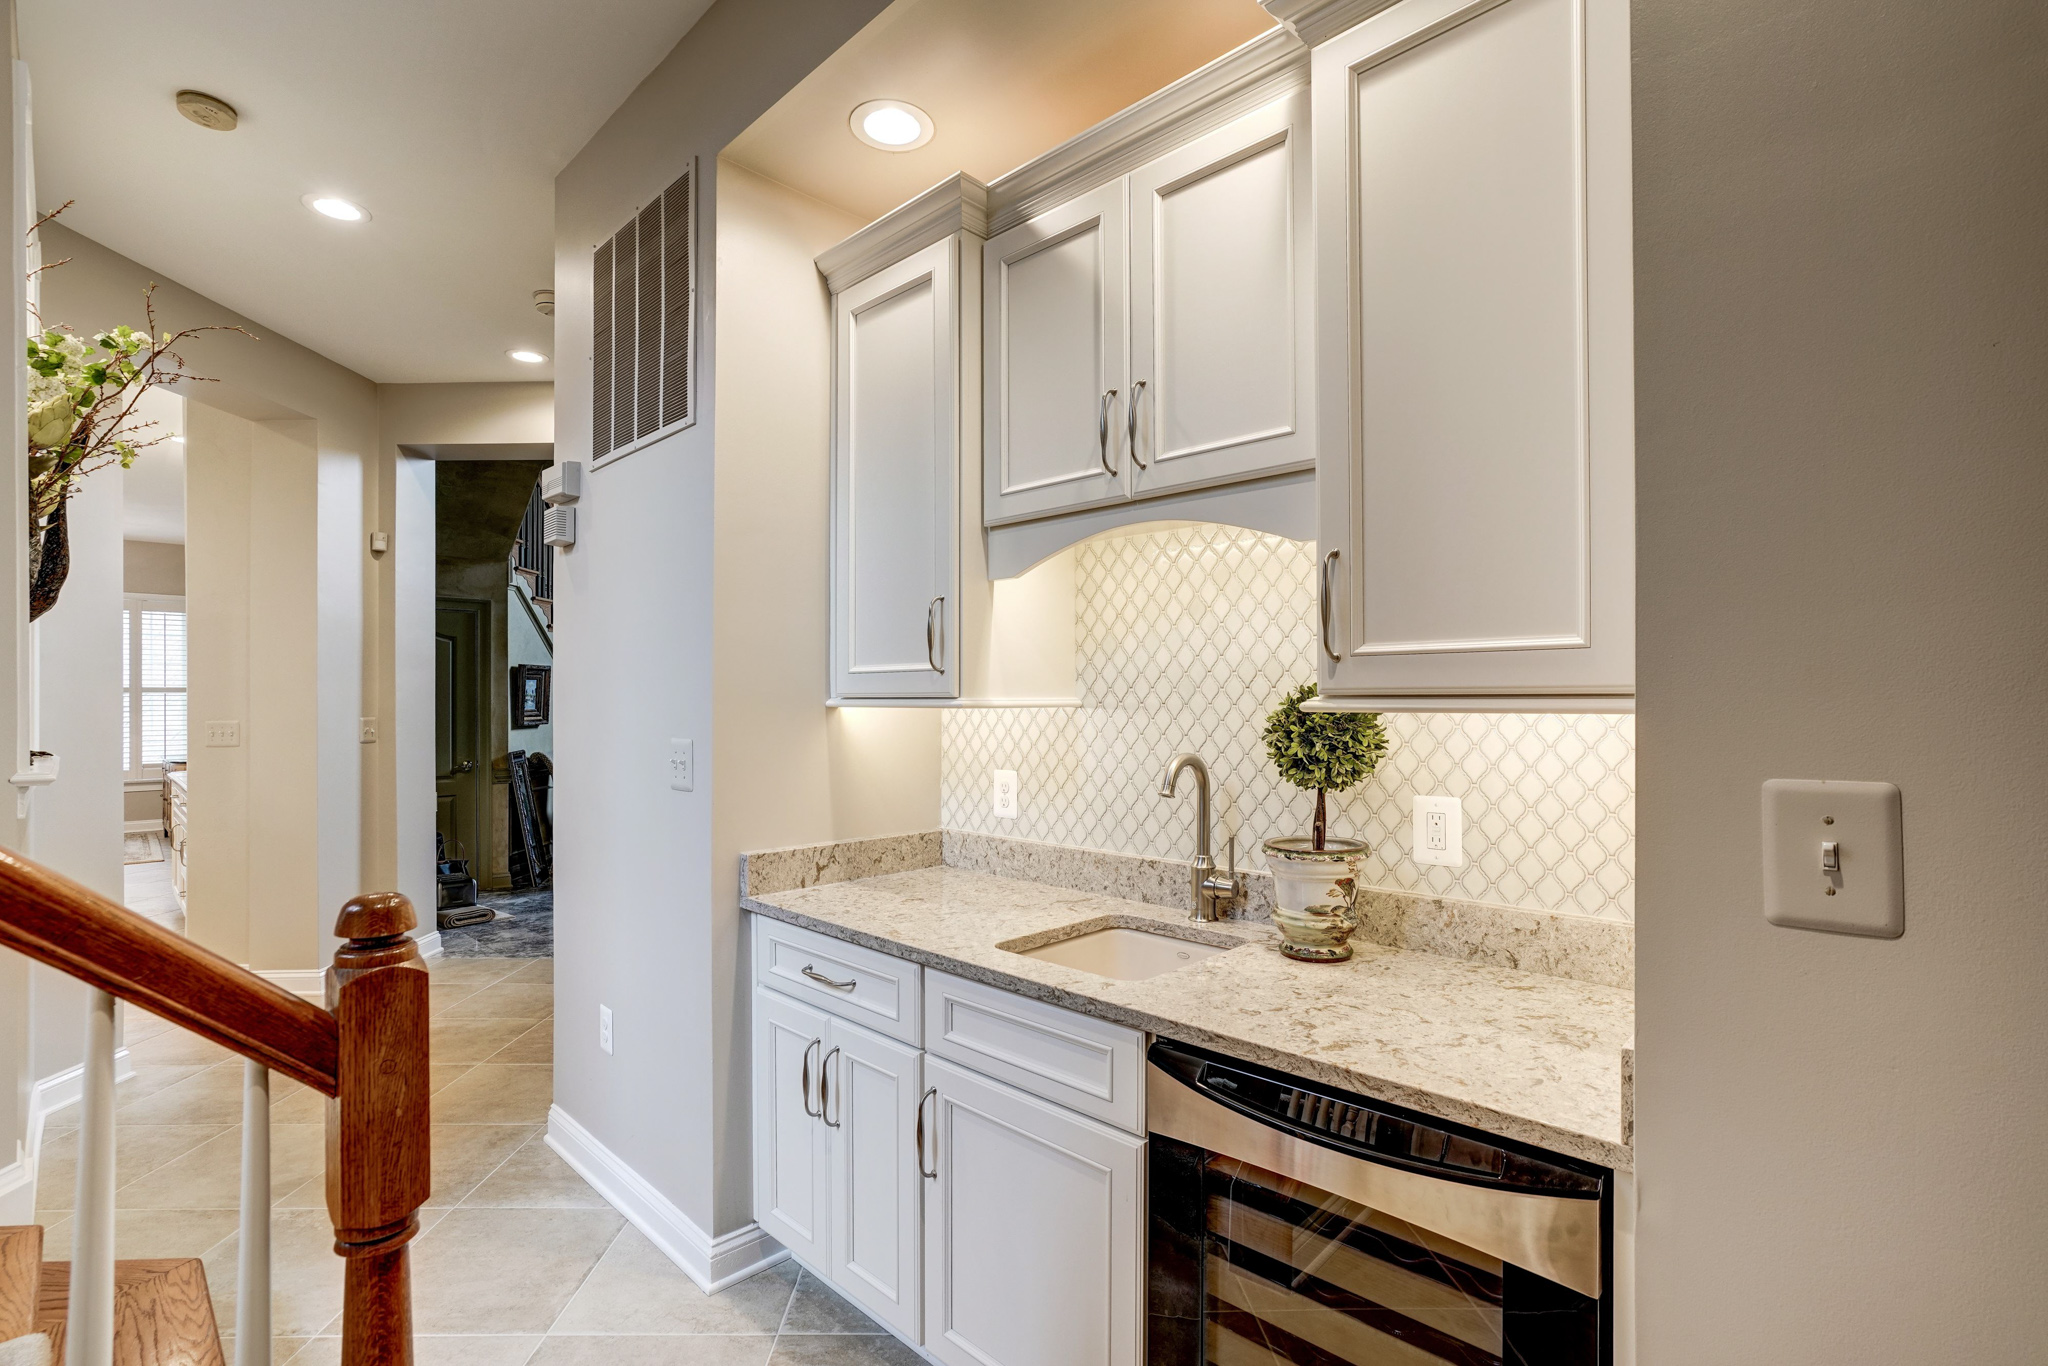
(1299, 1224)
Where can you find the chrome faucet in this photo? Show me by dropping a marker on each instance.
(1213, 893)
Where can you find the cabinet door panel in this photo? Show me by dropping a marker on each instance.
(1221, 304)
(1033, 1252)
(792, 1176)
(1053, 343)
(895, 451)
(878, 1197)
(1475, 473)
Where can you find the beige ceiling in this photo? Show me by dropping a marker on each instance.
(1003, 81)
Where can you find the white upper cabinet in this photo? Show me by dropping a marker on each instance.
(1475, 474)
(1221, 377)
(895, 471)
(1053, 346)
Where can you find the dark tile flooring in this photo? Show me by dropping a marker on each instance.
(525, 927)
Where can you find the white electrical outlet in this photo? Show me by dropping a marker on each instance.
(1439, 830)
(223, 734)
(682, 765)
(1006, 793)
(604, 1028)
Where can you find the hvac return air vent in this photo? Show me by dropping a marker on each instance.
(643, 307)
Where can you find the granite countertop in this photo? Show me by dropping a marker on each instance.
(1516, 1054)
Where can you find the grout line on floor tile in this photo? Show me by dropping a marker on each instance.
(585, 1278)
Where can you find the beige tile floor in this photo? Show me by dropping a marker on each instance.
(519, 1262)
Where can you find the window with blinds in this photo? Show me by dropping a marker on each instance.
(152, 685)
(642, 345)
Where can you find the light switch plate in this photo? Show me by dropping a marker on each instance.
(682, 765)
(1005, 793)
(223, 734)
(1439, 830)
(1866, 893)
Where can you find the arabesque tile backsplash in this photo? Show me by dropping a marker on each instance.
(1187, 638)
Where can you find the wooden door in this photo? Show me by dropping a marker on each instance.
(895, 479)
(792, 1172)
(1475, 469)
(1053, 300)
(459, 777)
(1222, 383)
(1034, 1252)
(877, 1195)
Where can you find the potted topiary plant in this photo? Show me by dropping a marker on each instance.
(1315, 876)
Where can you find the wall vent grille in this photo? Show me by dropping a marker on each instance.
(643, 307)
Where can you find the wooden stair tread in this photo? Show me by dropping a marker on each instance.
(21, 1263)
(162, 1313)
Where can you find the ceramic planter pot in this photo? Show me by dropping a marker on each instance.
(1315, 896)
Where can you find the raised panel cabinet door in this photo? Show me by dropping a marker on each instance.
(792, 1167)
(877, 1194)
(895, 466)
(1034, 1252)
(1222, 383)
(1053, 349)
(1476, 457)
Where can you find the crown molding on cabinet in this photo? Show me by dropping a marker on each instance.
(1238, 81)
(959, 203)
(1314, 20)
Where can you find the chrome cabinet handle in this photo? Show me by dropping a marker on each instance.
(1323, 607)
(825, 1085)
(1137, 392)
(932, 618)
(933, 1174)
(823, 980)
(1102, 431)
(805, 1083)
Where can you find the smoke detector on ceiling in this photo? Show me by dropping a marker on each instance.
(544, 300)
(208, 111)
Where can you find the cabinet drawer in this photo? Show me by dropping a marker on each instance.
(1085, 1064)
(853, 983)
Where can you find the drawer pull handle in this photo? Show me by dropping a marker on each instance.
(823, 980)
(824, 1085)
(933, 1174)
(805, 1083)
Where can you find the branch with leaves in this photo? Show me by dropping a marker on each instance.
(1326, 751)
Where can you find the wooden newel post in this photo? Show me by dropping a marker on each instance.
(378, 1140)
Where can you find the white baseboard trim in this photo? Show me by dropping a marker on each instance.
(307, 982)
(429, 944)
(18, 1189)
(55, 1092)
(713, 1263)
(149, 827)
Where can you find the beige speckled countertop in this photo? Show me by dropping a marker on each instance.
(1524, 1056)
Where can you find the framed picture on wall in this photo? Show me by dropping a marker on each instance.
(529, 695)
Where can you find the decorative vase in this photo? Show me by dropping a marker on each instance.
(49, 561)
(1315, 896)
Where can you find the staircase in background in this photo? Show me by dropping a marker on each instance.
(367, 1052)
(533, 569)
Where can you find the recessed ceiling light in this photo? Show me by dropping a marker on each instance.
(891, 125)
(336, 208)
(527, 357)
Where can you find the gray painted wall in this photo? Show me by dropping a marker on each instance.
(1842, 389)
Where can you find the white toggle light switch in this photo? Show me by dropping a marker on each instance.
(1006, 793)
(1834, 857)
(1439, 830)
(682, 765)
(223, 734)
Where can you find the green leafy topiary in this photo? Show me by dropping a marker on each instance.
(1326, 751)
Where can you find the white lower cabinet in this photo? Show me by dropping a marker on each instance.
(872, 1088)
(792, 1198)
(1033, 1233)
(975, 1217)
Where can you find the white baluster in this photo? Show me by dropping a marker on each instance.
(252, 1270)
(89, 1321)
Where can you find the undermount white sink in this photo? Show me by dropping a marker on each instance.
(1126, 954)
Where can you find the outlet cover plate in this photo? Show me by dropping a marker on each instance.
(1439, 830)
(1004, 799)
(1866, 895)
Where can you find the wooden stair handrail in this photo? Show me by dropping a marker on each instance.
(57, 922)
